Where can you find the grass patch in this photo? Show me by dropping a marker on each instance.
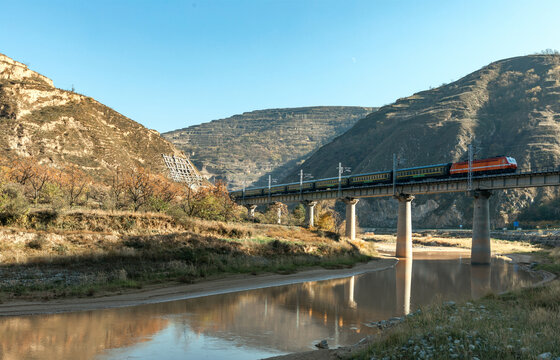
(519, 325)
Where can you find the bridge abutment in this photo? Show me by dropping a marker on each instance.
(480, 251)
(351, 217)
(404, 227)
(310, 213)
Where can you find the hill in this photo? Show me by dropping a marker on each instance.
(509, 107)
(248, 147)
(60, 127)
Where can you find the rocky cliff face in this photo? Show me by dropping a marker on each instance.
(249, 147)
(59, 127)
(509, 107)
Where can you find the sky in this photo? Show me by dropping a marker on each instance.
(171, 64)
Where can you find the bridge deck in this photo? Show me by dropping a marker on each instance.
(537, 178)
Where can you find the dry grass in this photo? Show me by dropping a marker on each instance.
(62, 262)
(115, 222)
(519, 325)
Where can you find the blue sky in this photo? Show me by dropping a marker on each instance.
(171, 64)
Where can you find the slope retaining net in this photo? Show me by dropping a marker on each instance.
(183, 171)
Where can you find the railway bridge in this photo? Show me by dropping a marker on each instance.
(480, 187)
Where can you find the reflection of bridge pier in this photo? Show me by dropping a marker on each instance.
(403, 277)
(481, 283)
(351, 301)
(480, 251)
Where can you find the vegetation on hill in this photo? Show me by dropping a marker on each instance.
(246, 148)
(60, 128)
(509, 107)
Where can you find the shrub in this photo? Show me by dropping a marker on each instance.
(212, 203)
(97, 197)
(38, 243)
(157, 204)
(299, 214)
(327, 222)
(51, 193)
(43, 218)
(13, 204)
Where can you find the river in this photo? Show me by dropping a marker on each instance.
(257, 323)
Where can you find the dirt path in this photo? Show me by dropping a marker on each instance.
(176, 291)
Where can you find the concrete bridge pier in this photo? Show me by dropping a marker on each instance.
(310, 212)
(404, 227)
(251, 211)
(480, 251)
(350, 217)
(278, 206)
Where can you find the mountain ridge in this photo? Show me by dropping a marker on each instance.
(58, 127)
(511, 106)
(246, 148)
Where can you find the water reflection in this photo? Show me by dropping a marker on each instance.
(257, 323)
(481, 280)
(403, 280)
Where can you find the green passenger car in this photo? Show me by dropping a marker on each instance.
(431, 171)
(295, 187)
(254, 192)
(331, 183)
(378, 177)
(236, 194)
(276, 189)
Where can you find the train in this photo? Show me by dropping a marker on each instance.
(494, 165)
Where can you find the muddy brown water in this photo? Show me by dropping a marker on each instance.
(256, 323)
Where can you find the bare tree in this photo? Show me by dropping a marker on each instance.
(74, 182)
(138, 187)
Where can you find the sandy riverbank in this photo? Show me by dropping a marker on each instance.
(174, 291)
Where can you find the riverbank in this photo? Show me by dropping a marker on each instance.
(522, 324)
(90, 255)
(175, 291)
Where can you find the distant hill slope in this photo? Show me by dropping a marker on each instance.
(250, 146)
(60, 127)
(509, 107)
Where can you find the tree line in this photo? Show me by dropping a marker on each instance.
(26, 185)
